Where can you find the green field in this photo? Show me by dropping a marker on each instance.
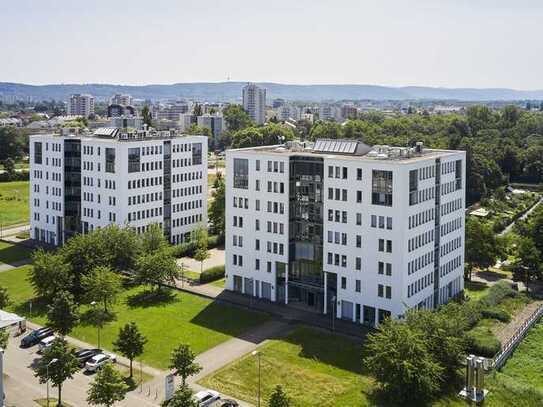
(14, 207)
(315, 368)
(10, 253)
(177, 318)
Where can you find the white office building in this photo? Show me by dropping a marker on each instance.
(329, 112)
(341, 227)
(254, 102)
(213, 122)
(135, 178)
(80, 105)
(288, 112)
(123, 100)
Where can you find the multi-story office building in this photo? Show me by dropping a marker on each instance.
(254, 102)
(123, 100)
(329, 112)
(286, 112)
(171, 112)
(214, 123)
(80, 105)
(340, 227)
(136, 178)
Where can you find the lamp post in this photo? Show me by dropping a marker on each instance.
(55, 360)
(257, 354)
(333, 312)
(98, 321)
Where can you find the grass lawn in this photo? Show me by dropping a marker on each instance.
(173, 319)
(211, 179)
(314, 367)
(10, 253)
(218, 283)
(475, 289)
(14, 207)
(52, 402)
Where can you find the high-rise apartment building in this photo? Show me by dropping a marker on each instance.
(254, 102)
(80, 105)
(213, 122)
(123, 100)
(135, 178)
(341, 227)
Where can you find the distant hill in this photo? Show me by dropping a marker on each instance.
(231, 91)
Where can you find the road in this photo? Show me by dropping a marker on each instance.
(528, 212)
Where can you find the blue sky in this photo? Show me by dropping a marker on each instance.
(452, 43)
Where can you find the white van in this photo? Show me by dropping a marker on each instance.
(45, 343)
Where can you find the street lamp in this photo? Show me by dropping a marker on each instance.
(257, 354)
(98, 321)
(55, 360)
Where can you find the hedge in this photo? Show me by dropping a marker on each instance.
(212, 274)
(15, 176)
(187, 249)
(482, 342)
(496, 313)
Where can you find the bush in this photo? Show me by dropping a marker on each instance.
(482, 342)
(497, 293)
(15, 176)
(496, 313)
(212, 274)
(188, 249)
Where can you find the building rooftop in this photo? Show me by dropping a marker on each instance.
(351, 149)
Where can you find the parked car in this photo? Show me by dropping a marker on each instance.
(35, 337)
(206, 397)
(97, 361)
(84, 355)
(45, 343)
(229, 403)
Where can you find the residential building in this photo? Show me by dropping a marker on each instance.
(278, 103)
(286, 112)
(80, 105)
(121, 110)
(124, 122)
(215, 123)
(115, 176)
(329, 112)
(123, 100)
(171, 111)
(254, 102)
(340, 227)
(349, 112)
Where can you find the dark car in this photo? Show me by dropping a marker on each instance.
(229, 403)
(35, 337)
(84, 355)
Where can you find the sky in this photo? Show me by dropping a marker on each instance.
(443, 43)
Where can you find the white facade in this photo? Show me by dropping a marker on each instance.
(304, 226)
(329, 112)
(286, 112)
(254, 102)
(80, 105)
(215, 123)
(123, 100)
(78, 184)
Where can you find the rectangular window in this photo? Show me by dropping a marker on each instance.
(134, 159)
(358, 196)
(381, 188)
(380, 289)
(344, 173)
(110, 160)
(358, 263)
(389, 223)
(358, 286)
(359, 174)
(381, 245)
(381, 267)
(258, 165)
(359, 219)
(344, 283)
(413, 187)
(389, 292)
(388, 269)
(373, 221)
(241, 173)
(38, 157)
(358, 241)
(196, 153)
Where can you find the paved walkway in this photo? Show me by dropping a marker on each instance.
(504, 335)
(526, 214)
(15, 264)
(10, 231)
(216, 258)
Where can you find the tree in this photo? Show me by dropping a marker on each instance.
(9, 166)
(153, 240)
(182, 362)
(217, 207)
(157, 268)
(183, 397)
(199, 237)
(102, 285)
(60, 370)
(197, 109)
(527, 266)
(398, 358)
(4, 338)
(63, 314)
(481, 245)
(50, 275)
(279, 398)
(146, 116)
(130, 342)
(12, 144)
(4, 297)
(107, 388)
(236, 118)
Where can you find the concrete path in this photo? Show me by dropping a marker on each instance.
(15, 264)
(504, 335)
(524, 216)
(216, 258)
(10, 231)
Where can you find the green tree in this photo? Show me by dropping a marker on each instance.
(12, 144)
(199, 237)
(4, 297)
(183, 397)
(157, 268)
(481, 246)
(107, 388)
(279, 398)
(50, 275)
(197, 109)
(183, 364)
(130, 342)
(102, 285)
(63, 314)
(527, 266)
(236, 118)
(398, 358)
(62, 364)
(217, 207)
(146, 116)
(4, 338)
(153, 240)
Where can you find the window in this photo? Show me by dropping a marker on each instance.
(134, 159)
(358, 196)
(389, 246)
(381, 245)
(344, 283)
(413, 187)
(380, 289)
(38, 147)
(389, 223)
(359, 174)
(258, 165)
(357, 286)
(241, 173)
(257, 264)
(359, 219)
(388, 269)
(330, 171)
(358, 241)
(110, 160)
(344, 173)
(358, 263)
(196, 153)
(373, 221)
(388, 291)
(381, 188)
(381, 268)
(269, 266)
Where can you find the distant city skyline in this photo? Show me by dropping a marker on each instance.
(483, 44)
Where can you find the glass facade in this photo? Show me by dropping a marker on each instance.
(110, 160)
(241, 173)
(72, 188)
(381, 188)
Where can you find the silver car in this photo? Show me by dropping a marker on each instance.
(96, 362)
(206, 397)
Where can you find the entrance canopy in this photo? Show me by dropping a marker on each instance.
(9, 319)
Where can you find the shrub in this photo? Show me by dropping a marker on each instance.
(482, 342)
(496, 313)
(212, 274)
(15, 176)
(189, 248)
(497, 293)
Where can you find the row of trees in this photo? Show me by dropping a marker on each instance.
(528, 266)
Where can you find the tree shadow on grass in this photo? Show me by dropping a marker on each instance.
(475, 285)
(31, 308)
(96, 317)
(151, 298)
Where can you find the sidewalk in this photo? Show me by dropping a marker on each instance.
(505, 335)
